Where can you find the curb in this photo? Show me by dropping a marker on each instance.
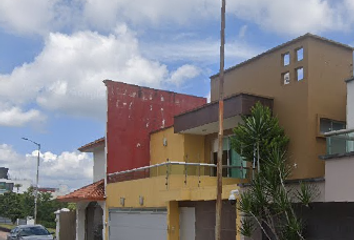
(4, 229)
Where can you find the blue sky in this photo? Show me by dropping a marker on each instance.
(55, 54)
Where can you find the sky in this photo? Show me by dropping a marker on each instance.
(54, 55)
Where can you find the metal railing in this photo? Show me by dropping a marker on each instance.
(185, 169)
(340, 142)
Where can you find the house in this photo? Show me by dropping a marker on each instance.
(161, 180)
(90, 199)
(133, 112)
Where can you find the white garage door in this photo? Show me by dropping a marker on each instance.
(138, 224)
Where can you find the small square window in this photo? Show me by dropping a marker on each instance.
(300, 74)
(300, 54)
(286, 78)
(286, 59)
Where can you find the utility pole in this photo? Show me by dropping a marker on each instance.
(37, 178)
(221, 126)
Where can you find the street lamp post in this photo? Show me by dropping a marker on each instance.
(37, 177)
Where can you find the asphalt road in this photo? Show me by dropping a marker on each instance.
(3, 235)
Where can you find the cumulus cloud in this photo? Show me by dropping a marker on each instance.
(70, 168)
(29, 16)
(183, 73)
(67, 75)
(282, 16)
(292, 17)
(16, 117)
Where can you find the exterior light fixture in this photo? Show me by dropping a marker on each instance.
(141, 200)
(122, 201)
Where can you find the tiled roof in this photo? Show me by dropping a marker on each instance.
(92, 192)
(88, 147)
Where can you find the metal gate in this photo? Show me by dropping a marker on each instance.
(147, 224)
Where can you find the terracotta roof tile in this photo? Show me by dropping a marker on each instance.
(88, 147)
(92, 192)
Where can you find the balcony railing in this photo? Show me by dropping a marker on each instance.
(340, 142)
(188, 172)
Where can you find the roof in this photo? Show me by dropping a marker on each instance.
(349, 80)
(89, 147)
(92, 192)
(307, 35)
(225, 99)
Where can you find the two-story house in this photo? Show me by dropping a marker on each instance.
(168, 190)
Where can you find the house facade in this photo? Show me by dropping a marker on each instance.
(90, 199)
(161, 180)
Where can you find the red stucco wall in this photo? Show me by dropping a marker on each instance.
(133, 112)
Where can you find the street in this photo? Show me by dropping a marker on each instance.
(3, 235)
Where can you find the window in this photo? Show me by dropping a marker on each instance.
(300, 54)
(300, 74)
(286, 78)
(327, 125)
(286, 59)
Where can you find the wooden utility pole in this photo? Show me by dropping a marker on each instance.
(221, 126)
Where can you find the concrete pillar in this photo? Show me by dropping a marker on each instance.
(81, 220)
(172, 221)
(103, 206)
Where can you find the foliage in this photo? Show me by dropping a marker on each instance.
(72, 206)
(10, 206)
(258, 133)
(13, 206)
(268, 203)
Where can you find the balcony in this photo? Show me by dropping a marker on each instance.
(340, 142)
(189, 173)
(176, 181)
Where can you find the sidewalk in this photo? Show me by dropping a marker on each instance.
(3, 235)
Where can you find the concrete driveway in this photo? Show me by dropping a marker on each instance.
(3, 235)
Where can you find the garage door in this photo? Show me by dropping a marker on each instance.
(138, 224)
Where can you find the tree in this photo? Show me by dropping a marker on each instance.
(258, 133)
(268, 202)
(10, 206)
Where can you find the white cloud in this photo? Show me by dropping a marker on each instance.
(70, 168)
(291, 17)
(201, 51)
(183, 73)
(28, 16)
(242, 32)
(67, 75)
(155, 12)
(16, 117)
(287, 17)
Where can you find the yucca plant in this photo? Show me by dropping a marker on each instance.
(268, 203)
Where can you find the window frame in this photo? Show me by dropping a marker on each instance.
(283, 59)
(283, 78)
(297, 55)
(297, 74)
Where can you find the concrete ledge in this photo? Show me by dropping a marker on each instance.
(337, 155)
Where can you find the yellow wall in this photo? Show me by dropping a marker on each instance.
(194, 148)
(180, 147)
(156, 194)
(174, 151)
